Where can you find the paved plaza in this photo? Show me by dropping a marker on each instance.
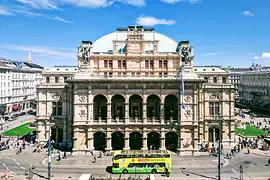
(201, 167)
(184, 167)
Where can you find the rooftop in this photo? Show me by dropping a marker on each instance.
(105, 43)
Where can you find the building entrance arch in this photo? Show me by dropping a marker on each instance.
(153, 140)
(135, 141)
(100, 141)
(171, 141)
(118, 141)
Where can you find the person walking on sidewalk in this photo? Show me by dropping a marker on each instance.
(268, 162)
(248, 150)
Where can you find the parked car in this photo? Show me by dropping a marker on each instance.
(30, 111)
(22, 114)
(16, 115)
(12, 118)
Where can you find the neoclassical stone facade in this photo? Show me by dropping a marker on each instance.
(127, 93)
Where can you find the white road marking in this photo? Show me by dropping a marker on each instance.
(234, 170)
(14, 159)
(23, 168)
(4, 164)
(18, 164)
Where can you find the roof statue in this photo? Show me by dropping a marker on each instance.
(186, 51)
(83, 51)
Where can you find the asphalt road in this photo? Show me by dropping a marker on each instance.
(21, 119)
(254, 167)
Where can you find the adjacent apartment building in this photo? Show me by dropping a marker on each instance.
(136, 89)
(18, 84)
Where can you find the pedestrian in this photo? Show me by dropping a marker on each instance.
(65, 155)
(95, 159)
(268, 162)
(248, 150)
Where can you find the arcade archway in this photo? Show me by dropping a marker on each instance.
(100, 141)
(171, 141)
(135, 141)
(118, 141)
(153, 140)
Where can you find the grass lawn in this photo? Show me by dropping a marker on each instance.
(21, 130)
(250, 131)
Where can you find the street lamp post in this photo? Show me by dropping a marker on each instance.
(220, 121)
(49, 147)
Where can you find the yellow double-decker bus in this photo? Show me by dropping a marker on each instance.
(139, 161)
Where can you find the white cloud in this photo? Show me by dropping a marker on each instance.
(247, 13)
(266, 55)
(250, 54)
(89, 3)
(57, 18)
(256, 57)
(40, 4)
(152, 21)
(34, 14)
(134, 2)
(213, 53)
(177, 1)
(41, 50)
(4, 11)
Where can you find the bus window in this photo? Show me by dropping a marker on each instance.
(161, 164)
(131, 165)
(115, 165)
(140, 165)
(117, 157)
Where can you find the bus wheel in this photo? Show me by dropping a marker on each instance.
(125, 171)
(154, 171)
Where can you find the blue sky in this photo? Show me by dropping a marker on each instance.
(223, 32)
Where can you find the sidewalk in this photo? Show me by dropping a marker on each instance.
(177, 161)
(260, 152)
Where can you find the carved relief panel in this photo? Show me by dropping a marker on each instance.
(83, 112)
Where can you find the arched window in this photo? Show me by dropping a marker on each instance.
(224, 80)
(47, 79)
(56, 80)
(214, 79)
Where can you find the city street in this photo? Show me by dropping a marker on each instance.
(183, 167)
(18, 121)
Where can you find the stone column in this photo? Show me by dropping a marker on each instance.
(108, 142)
(126, 141)
(144, 141)
(75, 139)
(214, 135)
(162, 117)
(65, 131)
(90, 140)
(56, 137)
(126, 113)
(195, 107)
(144, 111)
(162, 141)
(90, 108)
(109, 115)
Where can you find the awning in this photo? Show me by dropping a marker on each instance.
(15, 107)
